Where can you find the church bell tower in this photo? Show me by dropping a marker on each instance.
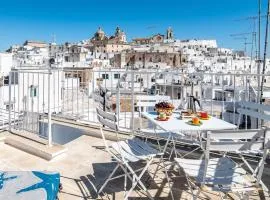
(169, 35)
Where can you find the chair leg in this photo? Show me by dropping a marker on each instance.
(194, 196)
(167, 177)
(138, 180)
(108, 179)
(156, 170)
(159, 146)
(125, 183)
(126, 172)
(173, 149)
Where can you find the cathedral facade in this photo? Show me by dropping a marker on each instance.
(113, 44)
(155, 39)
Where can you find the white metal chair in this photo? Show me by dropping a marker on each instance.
(146, 103)
(223, 174)
(126, 152)
(255, 111)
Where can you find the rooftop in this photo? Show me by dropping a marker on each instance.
(77, 152)
(86, 165)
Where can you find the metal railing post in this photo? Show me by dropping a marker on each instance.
(49, 110)
(9, 101)
(132, 100)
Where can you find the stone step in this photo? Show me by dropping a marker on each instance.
(33, 147)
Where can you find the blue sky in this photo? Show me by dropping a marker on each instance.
(76, 20)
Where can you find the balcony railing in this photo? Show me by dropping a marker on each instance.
(36, 95)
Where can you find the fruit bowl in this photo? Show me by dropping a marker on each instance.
(168, 112)
(164, 107)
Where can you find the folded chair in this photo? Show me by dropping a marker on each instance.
(223, 174)
(126, 152)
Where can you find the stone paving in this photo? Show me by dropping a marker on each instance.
(86, 165)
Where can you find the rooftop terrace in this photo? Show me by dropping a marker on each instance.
(53, 124)
(86, 165)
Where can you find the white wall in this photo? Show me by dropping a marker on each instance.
(5, 63)
(109, 83)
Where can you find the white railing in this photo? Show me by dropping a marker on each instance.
(219, 94)
(68, 93)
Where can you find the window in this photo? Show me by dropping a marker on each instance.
(153, 80)
(9, 107)
(105, 76)
(33, 91)
(116, 76)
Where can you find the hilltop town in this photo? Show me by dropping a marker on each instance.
(159, 51)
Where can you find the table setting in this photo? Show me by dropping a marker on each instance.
(167, 118)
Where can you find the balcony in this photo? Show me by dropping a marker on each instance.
(49, 121)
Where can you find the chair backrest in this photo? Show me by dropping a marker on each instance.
(146, 101)
(253, 110)
(237, 140)
(102, 98)
(107, 119)
(98, 98)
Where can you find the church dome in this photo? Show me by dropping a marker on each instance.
(100, 31)
(99, 35)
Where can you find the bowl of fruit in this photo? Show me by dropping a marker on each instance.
(164, 107)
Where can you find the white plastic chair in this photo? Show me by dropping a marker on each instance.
(223, 174)
(126, 152)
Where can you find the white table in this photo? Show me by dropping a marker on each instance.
(182, 128)
(177, 125)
